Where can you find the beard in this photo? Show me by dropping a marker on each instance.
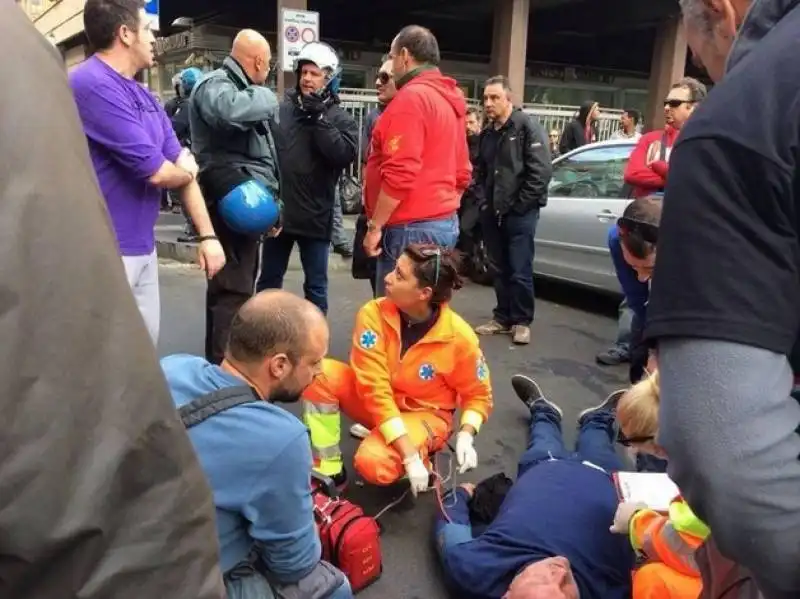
(282, 395)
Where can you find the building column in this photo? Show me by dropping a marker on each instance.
(285, 80)
(667, 67)
(510, 43)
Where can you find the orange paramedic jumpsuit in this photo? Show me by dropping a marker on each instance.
(393, 395)
(669, 543)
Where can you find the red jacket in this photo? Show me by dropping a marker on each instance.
(649, 178)
(418, 152)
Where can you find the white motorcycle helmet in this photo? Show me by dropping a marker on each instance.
(324, 57)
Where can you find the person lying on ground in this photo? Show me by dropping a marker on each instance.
(413, 363)
(261, 482)
(550, 538)
(668, 542)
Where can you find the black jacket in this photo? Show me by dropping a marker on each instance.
(180, 122)
(522, 167)
(574, 134)
(313, 153)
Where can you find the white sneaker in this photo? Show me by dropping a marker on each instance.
(359, 431)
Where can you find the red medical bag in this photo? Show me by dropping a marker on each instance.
(350, 539)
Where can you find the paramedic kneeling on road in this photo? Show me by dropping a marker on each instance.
(414, 361)
(255, 454)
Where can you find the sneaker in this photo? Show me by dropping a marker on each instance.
(613, 356)
(521, 335)
(492, 328)
(609, 404)
(345, 251)
(531, 394)
(359, 431)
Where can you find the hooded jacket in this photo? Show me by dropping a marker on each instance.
(419, 152)
(574, 135)
(731, 206)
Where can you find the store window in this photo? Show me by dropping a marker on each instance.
(354, 78)
(567, 96)
(468, 86)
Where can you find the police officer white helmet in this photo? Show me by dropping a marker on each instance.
(321, 55)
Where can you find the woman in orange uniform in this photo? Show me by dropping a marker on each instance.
(413, 363)
(667, 541)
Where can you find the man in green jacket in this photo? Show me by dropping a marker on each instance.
(231, 118)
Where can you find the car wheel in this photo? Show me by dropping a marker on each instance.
(479, 269)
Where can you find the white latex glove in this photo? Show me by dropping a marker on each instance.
(625, 512)
(418, 474)
(466, 455)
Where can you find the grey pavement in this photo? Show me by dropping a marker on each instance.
(170, 226)
(571, 326)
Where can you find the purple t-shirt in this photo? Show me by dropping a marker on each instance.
(129, 137)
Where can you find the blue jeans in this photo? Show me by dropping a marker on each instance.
(595, 444)
(257, 587)
(314, 254)
(511, 248)
(396, 238)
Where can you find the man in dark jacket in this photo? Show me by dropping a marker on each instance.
(582, 129)
(317, 139)
(231, 115)
(102, 493)
(513, 173)
(725, 302)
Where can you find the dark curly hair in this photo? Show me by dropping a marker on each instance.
(436, 267)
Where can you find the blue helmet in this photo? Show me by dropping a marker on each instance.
(249, 208)
(189, 78)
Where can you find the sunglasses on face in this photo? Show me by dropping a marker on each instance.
(426, 253)
(677, 103)
(628, 441)
(646, 231)
(384, 77)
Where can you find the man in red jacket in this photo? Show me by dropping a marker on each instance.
(418, 166)
(647, 167)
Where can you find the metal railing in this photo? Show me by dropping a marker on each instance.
(359, 102)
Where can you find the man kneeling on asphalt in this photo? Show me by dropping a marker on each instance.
(550, 537)
(255, 454)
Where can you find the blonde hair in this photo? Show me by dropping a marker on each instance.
(637, 411)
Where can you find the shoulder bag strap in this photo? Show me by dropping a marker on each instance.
(211, 404)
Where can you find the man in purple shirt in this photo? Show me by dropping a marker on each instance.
(133, 147)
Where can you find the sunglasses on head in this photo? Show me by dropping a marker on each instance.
(384, 77)
(677, 103)
(425, 253)
(646, 231)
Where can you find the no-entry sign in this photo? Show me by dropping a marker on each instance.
(298, 28)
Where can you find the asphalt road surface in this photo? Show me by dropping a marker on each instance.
(571, 327)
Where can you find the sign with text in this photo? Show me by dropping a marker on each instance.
(298, 28)
(151, 8)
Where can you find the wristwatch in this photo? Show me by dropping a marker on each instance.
(371, 226)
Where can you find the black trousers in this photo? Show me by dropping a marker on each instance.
(235, 283)
(639, 351)
(230, 289)
(510, 244)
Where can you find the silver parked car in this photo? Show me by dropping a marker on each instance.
(586, 197)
